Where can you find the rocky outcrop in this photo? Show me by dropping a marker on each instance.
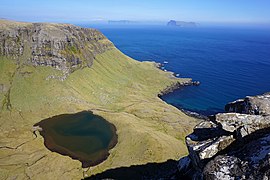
(232, 145)
(62, 46)
(257, 105)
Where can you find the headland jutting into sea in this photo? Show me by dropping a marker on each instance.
(51, 69)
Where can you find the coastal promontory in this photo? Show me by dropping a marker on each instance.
(51, 69)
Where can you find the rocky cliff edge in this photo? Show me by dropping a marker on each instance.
(232, 145)
(62, 46)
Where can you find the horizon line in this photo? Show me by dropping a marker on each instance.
(145, 22)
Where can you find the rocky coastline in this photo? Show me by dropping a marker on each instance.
(178, 85)
(194, 114)
(45, 79)
(231, 145)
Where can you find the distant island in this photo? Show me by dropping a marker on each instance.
(181, 23)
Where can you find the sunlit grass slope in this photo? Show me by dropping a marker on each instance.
(118, 88)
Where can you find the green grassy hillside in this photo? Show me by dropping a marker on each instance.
(116, 87)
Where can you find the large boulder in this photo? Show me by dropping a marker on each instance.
(242, 124)
(250, 161)
(206, 141)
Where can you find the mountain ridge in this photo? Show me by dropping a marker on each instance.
(62, 46)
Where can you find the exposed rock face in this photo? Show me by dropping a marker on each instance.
(233, 145)
(62, 46)
(257, 105)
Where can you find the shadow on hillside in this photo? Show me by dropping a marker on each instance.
(163, 170)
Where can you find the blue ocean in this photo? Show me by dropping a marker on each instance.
(230, 62)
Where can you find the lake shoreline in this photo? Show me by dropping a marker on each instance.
(52, 145)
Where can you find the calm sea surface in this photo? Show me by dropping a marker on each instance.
(230, 63)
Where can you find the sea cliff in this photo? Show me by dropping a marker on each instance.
(50, 69)
(61, 46)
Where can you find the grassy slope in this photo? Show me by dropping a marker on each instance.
(116, 87)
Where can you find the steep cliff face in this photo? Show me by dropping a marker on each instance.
(233, 145)
(62, 46)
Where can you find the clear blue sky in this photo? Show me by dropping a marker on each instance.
(246, 11)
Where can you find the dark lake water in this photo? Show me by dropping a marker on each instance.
(230, 62)
(83, 136)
